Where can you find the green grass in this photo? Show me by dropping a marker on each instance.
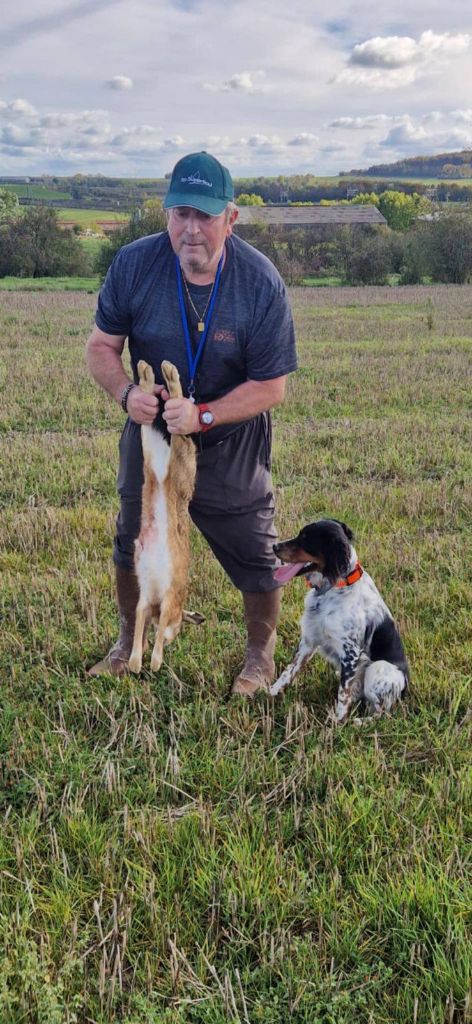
(336, 282)
(168, 855)
(38, 192)
(408, 179)
(91, 245)
(322, 282)
(49, 284)
(91, 218)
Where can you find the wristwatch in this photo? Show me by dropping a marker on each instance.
(205, 417)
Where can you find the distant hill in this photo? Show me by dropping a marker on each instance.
(443, 165)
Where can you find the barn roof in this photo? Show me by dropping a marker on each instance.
(303, 216)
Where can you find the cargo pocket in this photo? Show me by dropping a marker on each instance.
(130, 473)
(247, 479)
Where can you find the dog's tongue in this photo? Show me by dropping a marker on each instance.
(288, 571)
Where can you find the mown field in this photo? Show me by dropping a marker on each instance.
(168, 855)
(37, 191)
(92, 219)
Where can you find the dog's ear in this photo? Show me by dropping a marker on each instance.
(338, 557)
(347, 529)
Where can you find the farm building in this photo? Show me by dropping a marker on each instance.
(320, 217)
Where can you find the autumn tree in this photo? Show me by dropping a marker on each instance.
(249, 199)
(401, 210)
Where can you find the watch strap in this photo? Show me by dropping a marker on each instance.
(203, 407)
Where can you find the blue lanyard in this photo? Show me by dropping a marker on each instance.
(192, 360)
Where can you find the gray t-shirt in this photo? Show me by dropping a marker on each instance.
(251, 334)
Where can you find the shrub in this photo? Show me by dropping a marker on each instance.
(448, 248)
(148, 220)
(34, 245)
(364, 258)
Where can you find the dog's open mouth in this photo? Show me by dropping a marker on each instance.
(286, 572)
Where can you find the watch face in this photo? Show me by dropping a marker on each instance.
(207, 418)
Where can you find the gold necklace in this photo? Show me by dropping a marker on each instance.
(200, 319)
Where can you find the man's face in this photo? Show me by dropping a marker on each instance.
(197, 238)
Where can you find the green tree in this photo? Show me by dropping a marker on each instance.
(365, 258)
(148, 219)
(401, 210)
(34, 245)
(249, 199)
(8, 203)
(447, 247)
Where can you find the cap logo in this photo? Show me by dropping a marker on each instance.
(196, 179)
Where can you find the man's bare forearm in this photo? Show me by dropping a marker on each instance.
(248, 400)
(106, 367)
(244, 402)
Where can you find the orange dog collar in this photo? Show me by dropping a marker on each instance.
(353, 577)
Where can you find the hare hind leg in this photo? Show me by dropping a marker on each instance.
(146, 377)
(172, 379)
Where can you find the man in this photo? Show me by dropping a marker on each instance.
(208, 302)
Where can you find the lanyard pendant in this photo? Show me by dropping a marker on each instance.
(191, 392)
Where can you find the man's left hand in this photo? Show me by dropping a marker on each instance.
(181, 416)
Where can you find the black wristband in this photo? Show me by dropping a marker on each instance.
(125, 395)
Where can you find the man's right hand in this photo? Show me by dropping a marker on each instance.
(143, 408)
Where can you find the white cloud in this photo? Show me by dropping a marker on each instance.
(120, 82)
(248, 82)
(388, 62)
(360, 123)
(413, 137)
(396, 51)
(390, 52)
(16, 108)
(303, 139)
(462, 116)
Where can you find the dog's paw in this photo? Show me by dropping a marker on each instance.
(172, 379)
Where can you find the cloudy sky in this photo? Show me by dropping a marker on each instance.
(269, 87)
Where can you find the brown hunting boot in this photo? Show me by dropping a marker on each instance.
(127, 591)
(261, 613)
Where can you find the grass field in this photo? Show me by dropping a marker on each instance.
(168, 855)
(37, 192)
(91, 218)
(410, 179)
(49, 284)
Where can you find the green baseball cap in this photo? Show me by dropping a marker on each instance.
(200, 181)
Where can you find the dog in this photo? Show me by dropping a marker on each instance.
(162, 549)
(345, 620)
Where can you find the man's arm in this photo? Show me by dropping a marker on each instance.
(244, 402)
(103, 355)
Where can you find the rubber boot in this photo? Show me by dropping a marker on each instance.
(261, 612)
(127, 591)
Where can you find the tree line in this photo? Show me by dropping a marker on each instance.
(436, 250)
(32, 244)
(452, 165)
(439, 249)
